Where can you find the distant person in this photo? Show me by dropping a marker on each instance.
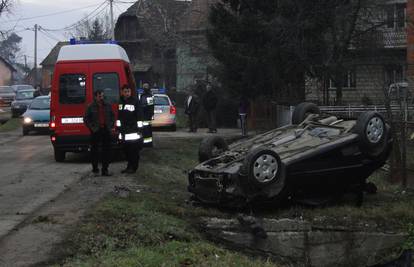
(210, 103)
(129, 114)
(244, 106)
(146, 101)
(37, 91)
(191, 109)
(100, 119)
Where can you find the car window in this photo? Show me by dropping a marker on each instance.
(6, 89)
(22, 87)
(161, 100)
(72, 88)
(40, 103)
(109, 84)
(20, 95)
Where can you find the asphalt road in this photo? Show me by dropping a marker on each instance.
(29, 176)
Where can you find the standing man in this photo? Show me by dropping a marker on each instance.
(129, 116)
(99, 118)
(210, 103)
(146, 101)
(191, 109)
(243, 111)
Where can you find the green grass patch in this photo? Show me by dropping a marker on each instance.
(156, 226)
(10, 125)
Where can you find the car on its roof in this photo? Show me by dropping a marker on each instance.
(317, 153)
(23, 99)
(37, 116)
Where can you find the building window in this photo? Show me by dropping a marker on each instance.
(394, 74)
(395, 16)
(349, 80)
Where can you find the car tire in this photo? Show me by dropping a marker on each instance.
(262, 167)
(59, 155)
(303, 110)
(25, 131)
(211, 147)
(373, 133)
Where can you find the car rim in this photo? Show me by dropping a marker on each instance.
(265, 168)
(375, 130)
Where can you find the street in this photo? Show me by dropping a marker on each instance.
(30, 177)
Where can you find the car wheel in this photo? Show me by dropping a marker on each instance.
(372, 132)
(59, 155)
(302, 111)
(263, 167)
(211, 147)
(25, 131)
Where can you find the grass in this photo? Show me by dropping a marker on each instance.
(11, 125)
(157, 227)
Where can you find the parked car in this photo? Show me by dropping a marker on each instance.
(317, 154)
(22, 101)
(37, 116)
(6, 95)
(18, 87)
(164, 112)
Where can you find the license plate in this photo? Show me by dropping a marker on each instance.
(158, 111)
(72, 120)
(41, 125)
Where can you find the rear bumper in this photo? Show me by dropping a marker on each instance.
(77, 143)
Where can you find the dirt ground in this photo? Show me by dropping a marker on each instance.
(41, 200)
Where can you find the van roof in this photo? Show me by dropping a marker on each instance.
(92, 52)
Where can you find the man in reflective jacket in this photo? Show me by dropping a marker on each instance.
(99, 118)
(129, 120)
(146, 101)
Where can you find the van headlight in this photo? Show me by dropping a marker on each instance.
(27, 120)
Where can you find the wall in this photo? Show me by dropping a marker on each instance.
(5, 74)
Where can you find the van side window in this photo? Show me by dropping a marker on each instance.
(72, 88)
(109, 84)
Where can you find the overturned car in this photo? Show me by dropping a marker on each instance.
(317, 153)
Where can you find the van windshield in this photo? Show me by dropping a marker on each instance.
(109, 84)
(72, 88)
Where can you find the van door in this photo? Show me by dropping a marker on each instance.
(72, 99)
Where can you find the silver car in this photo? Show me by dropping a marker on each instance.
(164, 112)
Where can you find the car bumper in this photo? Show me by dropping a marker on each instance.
(220, 189)
(77, 143)
(37, 126)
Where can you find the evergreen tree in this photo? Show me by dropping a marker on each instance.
(10, 46)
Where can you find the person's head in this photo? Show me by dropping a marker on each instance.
(146, 87)
(126, 91)
(99, 95)
(208, 87)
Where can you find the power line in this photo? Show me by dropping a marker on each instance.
(50, 14)
(73, 25)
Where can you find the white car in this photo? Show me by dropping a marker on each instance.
(164, 112)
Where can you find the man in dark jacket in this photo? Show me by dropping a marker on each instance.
(129, 119)
(191, 109)
(210, 103)
(146, 101)
(99, 118)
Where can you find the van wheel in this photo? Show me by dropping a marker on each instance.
(59, 155)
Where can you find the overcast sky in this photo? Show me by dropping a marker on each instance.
(70, 11)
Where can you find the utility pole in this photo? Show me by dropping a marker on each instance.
(111, 10)
(35, 56)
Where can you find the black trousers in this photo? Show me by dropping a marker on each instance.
(211, 120)
(132, 150)
(147, 133)
(101, 137)
(192, 121)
